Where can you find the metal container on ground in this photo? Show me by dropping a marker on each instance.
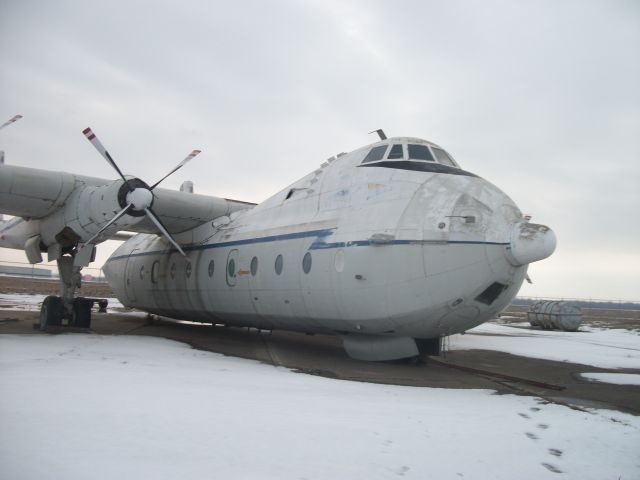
(555, 315)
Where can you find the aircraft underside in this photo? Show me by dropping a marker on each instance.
(379, 298)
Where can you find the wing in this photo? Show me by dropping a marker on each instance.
(64, 209)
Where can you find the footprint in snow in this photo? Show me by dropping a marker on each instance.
(534, 409)
(402, 471)
(551, 468)
(524, 415)
(542, 426)
(555, 452)
(532, 436)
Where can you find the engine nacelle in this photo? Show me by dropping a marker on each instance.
(86, 211)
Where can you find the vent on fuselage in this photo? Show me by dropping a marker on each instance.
(491, 293)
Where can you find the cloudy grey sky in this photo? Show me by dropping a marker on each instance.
(540, 97)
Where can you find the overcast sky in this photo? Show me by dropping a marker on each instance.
(542, 98)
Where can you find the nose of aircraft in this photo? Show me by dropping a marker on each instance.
(140, 198)
(529, 243)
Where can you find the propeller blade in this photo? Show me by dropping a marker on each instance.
(180, 165)
(528, 279)
(164, 231)
(111, 222)
(103, 151)
(13, 119)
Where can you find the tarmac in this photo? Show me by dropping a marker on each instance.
(556, 382)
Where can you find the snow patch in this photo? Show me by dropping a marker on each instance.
(615, 378)
(24, 301)
(603, 348)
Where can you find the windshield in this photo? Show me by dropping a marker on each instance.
(443, 157)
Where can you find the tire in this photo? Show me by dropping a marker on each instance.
(81, 316)
(51, 312)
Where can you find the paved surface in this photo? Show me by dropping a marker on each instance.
(323, 355)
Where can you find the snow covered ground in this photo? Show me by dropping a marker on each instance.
(604, 348)
(104, 407)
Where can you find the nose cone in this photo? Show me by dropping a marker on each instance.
(140, 198)
(530, 242)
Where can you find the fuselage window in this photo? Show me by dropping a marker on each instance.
(211, 267)
(420, 152)
(376, 153)
(254, 266)
(442, 157)
(142, 272)
(154, 272)
(306, 262)
(188, 270)
(395, 152)
(173, 271)
(231, 268)
(278, 265)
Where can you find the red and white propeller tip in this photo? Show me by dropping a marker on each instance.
(103, 151)
(180, 165)
(139, 198)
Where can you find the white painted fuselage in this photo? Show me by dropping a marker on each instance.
(389, 248)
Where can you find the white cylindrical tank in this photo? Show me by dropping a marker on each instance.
(555, 315)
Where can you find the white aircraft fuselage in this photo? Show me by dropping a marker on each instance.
(381, 248)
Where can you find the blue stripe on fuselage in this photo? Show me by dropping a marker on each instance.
(319, 244)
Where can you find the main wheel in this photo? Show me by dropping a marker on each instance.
(51, 312)
(81, 315)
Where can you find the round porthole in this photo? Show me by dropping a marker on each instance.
(188, 270)
(254, 266)
(155, 271)
(278, 265)
(172, 272)
(231, 268)
(211, 267)
(306, 262)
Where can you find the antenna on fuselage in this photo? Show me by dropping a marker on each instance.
(380, 133)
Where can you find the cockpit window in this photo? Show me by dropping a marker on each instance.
(396, 152)
(376, 153)
(442, 157)
(420, 152)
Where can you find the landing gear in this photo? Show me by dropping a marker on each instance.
(81, 313)
(51, 312)
(76, 310)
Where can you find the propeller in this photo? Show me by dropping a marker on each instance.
(13, 119)
(139, 199)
